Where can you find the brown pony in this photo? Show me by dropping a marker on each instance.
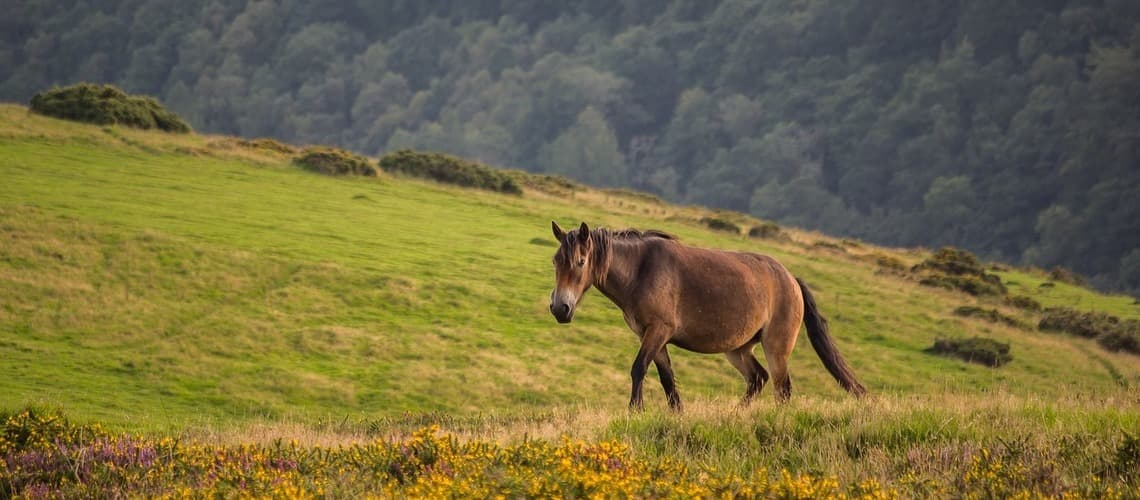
(697, 299)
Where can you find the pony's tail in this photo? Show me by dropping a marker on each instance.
(824, 347)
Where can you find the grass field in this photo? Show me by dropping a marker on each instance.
(188, 285)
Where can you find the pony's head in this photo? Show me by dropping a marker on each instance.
(573, 271)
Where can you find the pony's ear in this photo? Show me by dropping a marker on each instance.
(558, 232)
(583, 233)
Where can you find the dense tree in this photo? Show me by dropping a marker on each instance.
(1007, 128)
(586, 151)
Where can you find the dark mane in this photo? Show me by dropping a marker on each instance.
(602, 239)
(631, 233)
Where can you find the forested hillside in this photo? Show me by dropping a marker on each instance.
(1009, 128)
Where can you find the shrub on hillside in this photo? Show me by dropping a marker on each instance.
(969, 284)
(979, 350)
(1126, 338)
(991, 315)
(1082, 324)
(104, 105)
(1066, 276)
(267, 144)
(1023, 302)
(767, 230)
(890, 263)
(953, 261)
(1109, 331)
(333, 161)
(449, 169)
(958, 269)
(718, 224)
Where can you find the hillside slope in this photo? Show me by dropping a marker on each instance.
(151, 280)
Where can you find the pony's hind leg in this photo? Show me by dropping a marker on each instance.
(754, 374)
(778, 343)
(780, 377)
(668, 381)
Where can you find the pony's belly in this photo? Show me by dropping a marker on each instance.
(714, 341)
(697, 347)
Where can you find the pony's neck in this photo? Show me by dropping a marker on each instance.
(621, 263)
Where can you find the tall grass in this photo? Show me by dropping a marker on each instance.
(951, 445)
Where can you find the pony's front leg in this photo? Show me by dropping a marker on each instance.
(651, 344)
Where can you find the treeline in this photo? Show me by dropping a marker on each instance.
(1009, 128)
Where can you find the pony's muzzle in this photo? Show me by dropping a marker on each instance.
(562, 312)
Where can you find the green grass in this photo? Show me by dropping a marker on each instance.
(1049, 293)
(159, 282)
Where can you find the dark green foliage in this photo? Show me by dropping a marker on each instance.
(880, 123)
(767, 230)
(719, 224)
(1109, 331)
(1022, 302)
(449, 169)
(979, 350)
(104, 105)
(991, 315)
(333, 161)
(958, 269)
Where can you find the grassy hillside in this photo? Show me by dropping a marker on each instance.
(206, 288)
(155, 280)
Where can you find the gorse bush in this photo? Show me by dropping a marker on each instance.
(767, 230)
(1023, 302)
(1109, 331)
(979, 350)
(958, 269)
(1063, 275)
(333, 161)
(267, 144)
(991, 315)
(449, 169)
(719, 224)
(890, 263)
(954, 261)
(105, 105)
